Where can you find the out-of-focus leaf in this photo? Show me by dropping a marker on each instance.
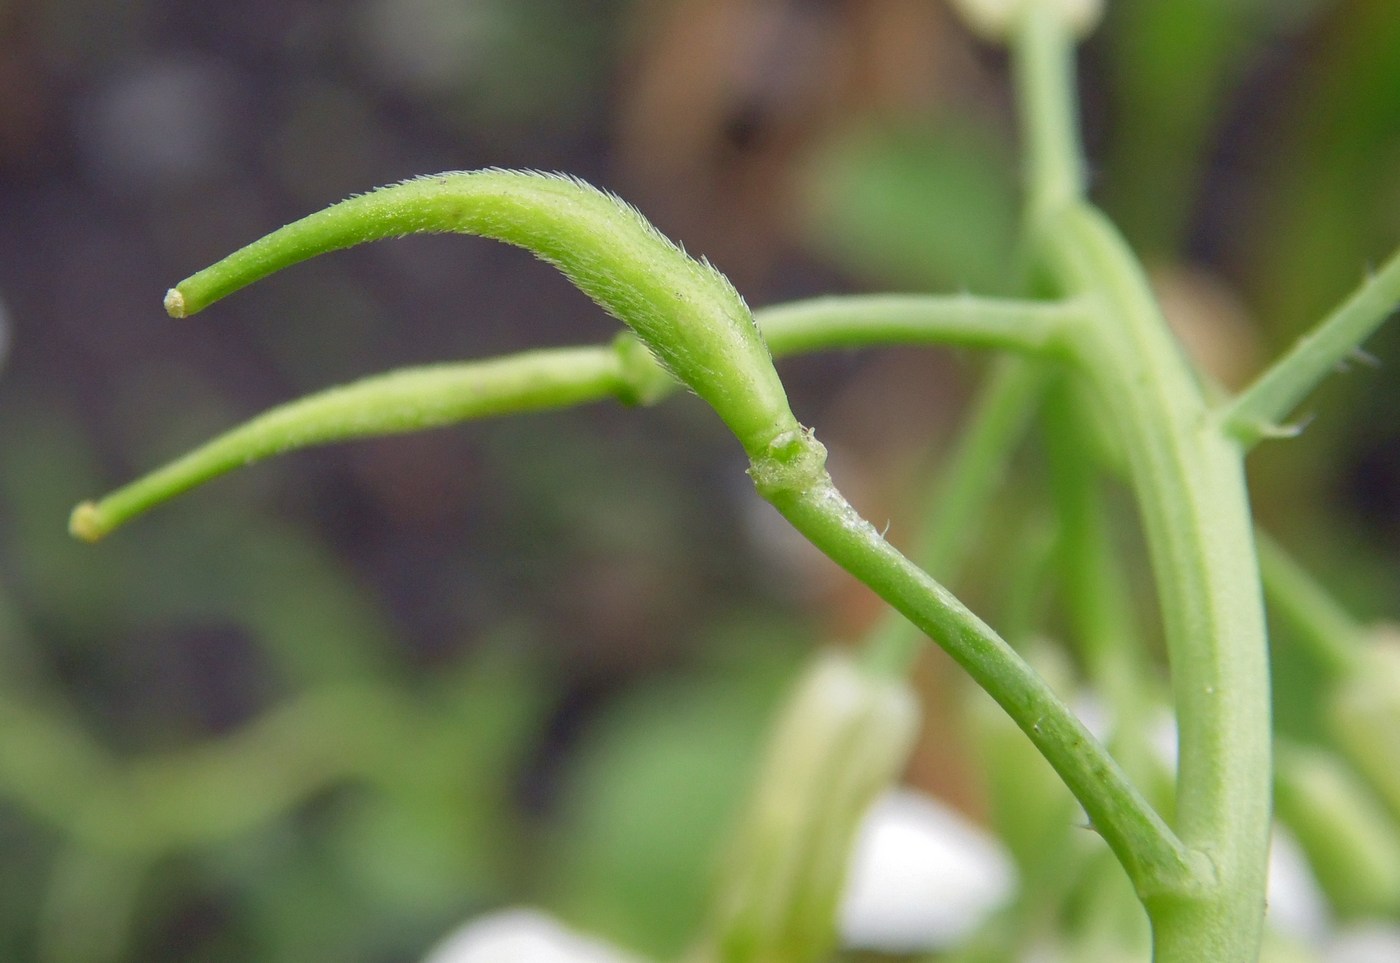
(1172, 64)
(931, 208)
(654, 794)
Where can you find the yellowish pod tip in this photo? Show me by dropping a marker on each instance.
(86, 523)
(174, 303)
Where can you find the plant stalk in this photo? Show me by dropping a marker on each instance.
(794, 480)
(1189, 483)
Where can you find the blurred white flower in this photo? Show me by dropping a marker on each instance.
(1365, 943)
(522, 936)
(1297, 907)
(922, 877)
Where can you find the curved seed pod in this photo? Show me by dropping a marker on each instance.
(685, 311)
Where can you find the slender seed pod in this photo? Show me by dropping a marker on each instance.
(413, 399)
(685, 311)
(841, 739)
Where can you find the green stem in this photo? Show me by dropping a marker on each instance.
(1190, 489)
(1257, 411)
(1044, 73)
(1097, 595)
(1189, 482)
(685, 311)
(793, 479)
(999, 418)
(852, 321)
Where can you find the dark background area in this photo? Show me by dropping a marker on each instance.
(329, 707)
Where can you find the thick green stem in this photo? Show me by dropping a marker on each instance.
(1189, 482)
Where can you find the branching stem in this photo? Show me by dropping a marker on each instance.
(428, 397)
(1258, 411)
(1202, 880)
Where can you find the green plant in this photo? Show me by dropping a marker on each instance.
(1089, 337)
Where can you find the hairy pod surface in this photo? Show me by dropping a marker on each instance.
(686, 312)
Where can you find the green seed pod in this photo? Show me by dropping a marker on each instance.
(411, 399)
(842, 738)
(685, 311)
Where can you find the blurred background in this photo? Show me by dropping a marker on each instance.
(329, 707)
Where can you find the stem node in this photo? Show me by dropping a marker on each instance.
(792, 464)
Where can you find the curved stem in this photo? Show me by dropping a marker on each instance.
(1189, 482)
(1000, 416)
(685, 311)
(794, 480)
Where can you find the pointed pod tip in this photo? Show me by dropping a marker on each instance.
(86, 523)
(175, 303)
